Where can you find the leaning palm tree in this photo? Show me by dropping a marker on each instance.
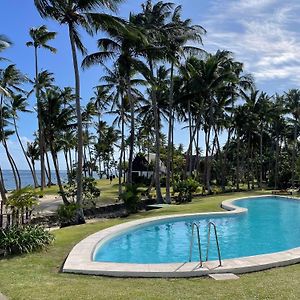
(19, 104)
(4, 44)
(76, 14)
(11, 80)
(57, 117)
(40, 37)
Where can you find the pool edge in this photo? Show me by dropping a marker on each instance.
(80, 259)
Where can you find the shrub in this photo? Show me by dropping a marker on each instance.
(185, 188)
(21, 201)
(131, 197)
(67, 214)
(24, 239)
(90, 191)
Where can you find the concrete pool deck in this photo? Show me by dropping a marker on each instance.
(80, 259)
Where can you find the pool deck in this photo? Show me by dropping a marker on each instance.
(80, 259)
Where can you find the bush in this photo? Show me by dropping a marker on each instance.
(67, 214)
(24, 239)
(185, 188)
(131, 197)
(90, 191)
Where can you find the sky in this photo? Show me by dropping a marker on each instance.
(263, 34)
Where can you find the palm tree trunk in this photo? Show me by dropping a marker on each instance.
(172, 152)
(80, 215)
(170, 140)
(59, 182)
(49, 169)
(276, 161)
(159, 197)
(40, 123)
(238, 162)
(24, 152)
(261, 157)
(2, 190)
(294, 154)
(132, 125)
(11, 163)
(121, 152)
(67, 162)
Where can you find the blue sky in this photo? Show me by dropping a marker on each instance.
(264, 34)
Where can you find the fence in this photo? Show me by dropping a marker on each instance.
(14, 217)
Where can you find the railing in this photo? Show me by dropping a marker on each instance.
(195, 225)
(15, 217)
(211, 224)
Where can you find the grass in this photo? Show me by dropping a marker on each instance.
(109, 192)
(37, 276)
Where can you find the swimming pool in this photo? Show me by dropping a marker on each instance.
(257, 233)
(271, 224)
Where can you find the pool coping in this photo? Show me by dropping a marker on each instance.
(80, 259)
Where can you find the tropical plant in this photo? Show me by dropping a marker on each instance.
(76, 14)
(40, 37)
(24, 239)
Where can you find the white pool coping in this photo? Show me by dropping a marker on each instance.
(80, 259)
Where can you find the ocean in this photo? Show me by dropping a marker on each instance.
(26, 178)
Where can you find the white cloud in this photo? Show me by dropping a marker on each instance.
(263, 34)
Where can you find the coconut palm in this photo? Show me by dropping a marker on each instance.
(152, 21)
(77, 14)
(57, 116)
(33, 153)
(40, 37)
(11, 80)
(122, 47)
(19, 104)
(293, 104)
(178, 33)
(4, 44)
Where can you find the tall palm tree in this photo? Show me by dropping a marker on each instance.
(19, 104)
(293, 104)
(40, 37)
(76, 14)
(4, 44)
(57, 117)
(122, 47)
(152, 21)
(178, 33)
(11, 80)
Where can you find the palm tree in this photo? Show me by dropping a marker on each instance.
(33, 153)
(19, 104)
(57, 116)
(178, 33)
(122, 46)
(10, 80)
(152, 21)
(4, 44)
(293, 104)
(76, 14)
(40, 37)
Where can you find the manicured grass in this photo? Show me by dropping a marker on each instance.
(37, 276)
(109, 192)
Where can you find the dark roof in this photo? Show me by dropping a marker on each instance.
(140, 163)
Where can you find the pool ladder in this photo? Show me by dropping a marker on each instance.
(197, 226)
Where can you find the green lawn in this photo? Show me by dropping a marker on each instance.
(37, 276)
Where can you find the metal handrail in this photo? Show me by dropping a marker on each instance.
(199, 242)
(217, 241)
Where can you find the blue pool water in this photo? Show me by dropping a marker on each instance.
(271, 224)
